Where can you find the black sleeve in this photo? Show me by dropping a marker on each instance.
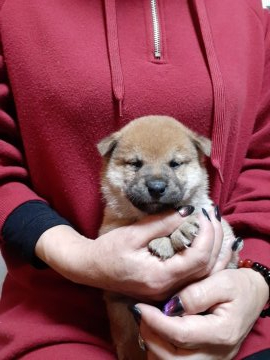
(262, 355)
(26, 224)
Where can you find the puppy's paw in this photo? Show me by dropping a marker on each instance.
(183, 236)
(162, 248)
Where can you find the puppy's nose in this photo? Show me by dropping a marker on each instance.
(156, 188)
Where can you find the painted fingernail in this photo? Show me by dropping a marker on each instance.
(205, 213)
(174, 307)
(217, 213)
(186, 210)
(136, 312)
(236, 244)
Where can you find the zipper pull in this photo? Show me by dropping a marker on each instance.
(156, 29)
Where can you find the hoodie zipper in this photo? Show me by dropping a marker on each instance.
(156, 29)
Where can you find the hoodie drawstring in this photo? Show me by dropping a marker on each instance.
(114, 53)
(219, 130)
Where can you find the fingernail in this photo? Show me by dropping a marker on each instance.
(186, 210)
(205, 213)
(217, 213)
(174, 307)
(136, 312)
(236, 244)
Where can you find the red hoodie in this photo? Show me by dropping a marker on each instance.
(76, 71)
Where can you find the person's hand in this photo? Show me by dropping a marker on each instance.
(233, 300)
(120, 261)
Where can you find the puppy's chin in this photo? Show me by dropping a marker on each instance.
(152, 207)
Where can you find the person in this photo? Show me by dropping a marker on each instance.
(72, 73)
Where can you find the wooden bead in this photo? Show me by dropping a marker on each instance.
(248, 263)
(240, 263)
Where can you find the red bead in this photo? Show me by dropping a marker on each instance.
(248, 263)
(240, 263)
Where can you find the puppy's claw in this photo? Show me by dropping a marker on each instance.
(180, 241)
(183, 236)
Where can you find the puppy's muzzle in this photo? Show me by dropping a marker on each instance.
(156, 187)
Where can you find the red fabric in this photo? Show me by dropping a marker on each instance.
(57, 69)
(69, 352)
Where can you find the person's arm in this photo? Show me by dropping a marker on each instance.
(248, 209)
(14, 177)
(120, 261)
(20, 206)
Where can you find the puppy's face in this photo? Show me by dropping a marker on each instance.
(155, 163)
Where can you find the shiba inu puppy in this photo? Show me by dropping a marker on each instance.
(153, 164)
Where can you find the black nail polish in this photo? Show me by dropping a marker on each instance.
(205, 213)
(236, 244)
(186, 210)
(217, 213)
(136, 312)
(174, 307)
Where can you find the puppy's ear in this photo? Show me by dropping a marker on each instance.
(108, 144)
(202, 143)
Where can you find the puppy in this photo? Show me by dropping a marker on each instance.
(153, 164)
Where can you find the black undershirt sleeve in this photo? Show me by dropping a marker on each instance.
(26, 224)
(262, 355)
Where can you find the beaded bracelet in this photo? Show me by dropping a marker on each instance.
(264, 271)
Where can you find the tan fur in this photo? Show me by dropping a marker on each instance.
(139, 157)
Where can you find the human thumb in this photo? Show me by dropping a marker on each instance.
(159, 225)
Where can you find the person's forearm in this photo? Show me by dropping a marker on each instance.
(119, 260)
(65, 251)
(24, 226)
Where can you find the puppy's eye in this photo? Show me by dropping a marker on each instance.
(137, 164)
(175, 164)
